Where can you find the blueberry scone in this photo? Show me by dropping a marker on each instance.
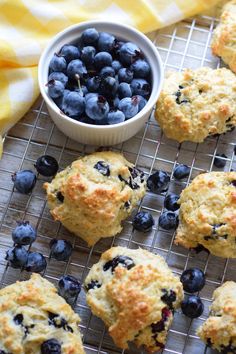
(135, 294)
(224, 37)
(219, 330)
(207, 214)
(93, 195)
(34, 319)
(197, 103)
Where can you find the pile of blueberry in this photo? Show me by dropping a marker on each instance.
(18, 256)
(100, 79)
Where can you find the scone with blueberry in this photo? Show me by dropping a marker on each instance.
(197, 103)
(95, 194)
(207, 214)
(135, 293)
(219, 330)
(35, 319)
(224, 37)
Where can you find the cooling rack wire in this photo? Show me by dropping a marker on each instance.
(186, 44)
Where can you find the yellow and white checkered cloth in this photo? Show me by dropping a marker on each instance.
(27, 25)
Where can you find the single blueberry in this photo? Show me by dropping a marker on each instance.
(58, 63)
(181, 171)
(70, 52)
(192, 306)
(143, 221)
(24, 233)
(55, 88)
(171, 202)
(97, 107)
(61, 250)
(129, 52)
(124, 90)
(93, 84)
(106, 42)
(158, 182)
(94, 284)
(36, 262)
(18, 319)
(115, 116)
(51, 346)
(103, 168)
(193, 280)
(168, 297)
(59, 76)
(87, 55)
(102, 59)
(90, 36)
(116, 65)
(17, 256)
(141, 102)
(140, 87)
(160, 326)
(73, 104)
(140, 68)
(24, 181)
(125, 75)
(69, 287)
(129, 106)
(219, 161)
(46, 165)
(168, 220)
(233, 183)
(76, 68)
(122, 261)
(60, 196)
(107, 71)
(108, 87)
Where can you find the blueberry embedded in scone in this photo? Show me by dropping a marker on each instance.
(35, 319)
(135, 293)
(207, 214)
(95, 194)
(219, 330)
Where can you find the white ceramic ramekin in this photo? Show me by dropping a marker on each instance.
(103, 135)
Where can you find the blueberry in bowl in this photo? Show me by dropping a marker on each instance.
(118, 64)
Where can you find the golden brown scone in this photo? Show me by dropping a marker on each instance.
(219, 330)
(197, 103)
(207, 214)
(134, 292)
(32, 313)
(93, 195)
(224, 37)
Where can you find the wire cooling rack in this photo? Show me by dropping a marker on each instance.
(186, 44)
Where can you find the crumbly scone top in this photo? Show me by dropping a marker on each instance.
(219, 330)
(93, 195)
(134, 292)
(197, 103)
(207, 214)
(32, 312)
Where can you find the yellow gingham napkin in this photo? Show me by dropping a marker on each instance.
(27, 25)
